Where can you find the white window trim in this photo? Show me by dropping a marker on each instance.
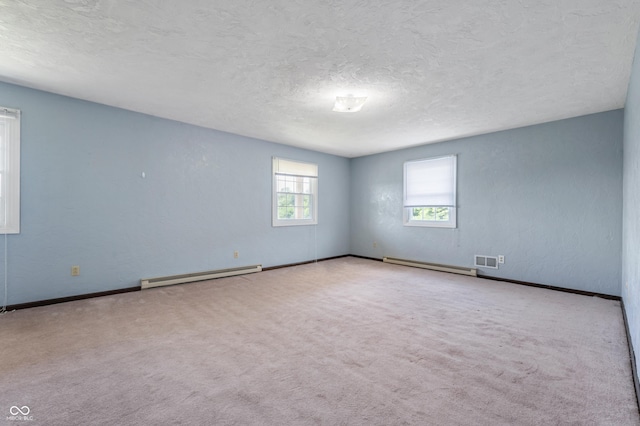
(10, 171)
(453, 220)
(314, 192)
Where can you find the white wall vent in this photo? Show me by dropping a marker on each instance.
(483, 261)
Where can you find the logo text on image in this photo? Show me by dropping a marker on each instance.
(20, 413)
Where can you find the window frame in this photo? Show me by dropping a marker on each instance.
(10, 170)
(452, 222)
(294, 168)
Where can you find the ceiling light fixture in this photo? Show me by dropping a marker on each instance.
(349, 103)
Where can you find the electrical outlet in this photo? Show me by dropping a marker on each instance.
(236, 254)
(75, 271)
(501, 259)
(375, 244)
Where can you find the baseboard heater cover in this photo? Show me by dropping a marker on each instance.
(433, 266)
(198, 276)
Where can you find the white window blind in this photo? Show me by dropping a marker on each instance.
(294, 168)
(9, 171)
(430, 182)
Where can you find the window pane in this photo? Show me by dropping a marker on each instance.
(442, 213)
(282, 184)
(285, 212)
(285, 206)
(2, 145)
(307, 207)
(430, 213)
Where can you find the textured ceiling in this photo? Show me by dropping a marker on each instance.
(432, 70)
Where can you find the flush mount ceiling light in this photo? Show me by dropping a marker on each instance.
(349, 103)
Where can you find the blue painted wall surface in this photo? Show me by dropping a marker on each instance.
(631, 207)
(548, 197)
(206, 194)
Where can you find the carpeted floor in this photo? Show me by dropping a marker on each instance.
(342, 342)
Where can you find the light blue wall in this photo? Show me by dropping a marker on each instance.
(547, 197)
(206, 194)
(631, 207)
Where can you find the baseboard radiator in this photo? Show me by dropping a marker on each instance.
(197, 276)
(433, 266)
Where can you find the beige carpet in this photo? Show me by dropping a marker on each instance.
(342, 342)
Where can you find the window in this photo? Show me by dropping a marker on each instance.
(295, 193)
(9, 171)
(430, 192)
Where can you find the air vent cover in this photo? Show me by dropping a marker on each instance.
(483, 261)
